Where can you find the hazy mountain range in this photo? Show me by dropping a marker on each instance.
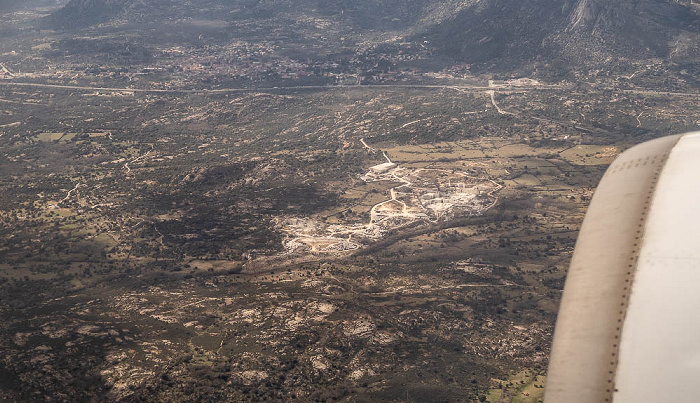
(492, 33)
(485, 31)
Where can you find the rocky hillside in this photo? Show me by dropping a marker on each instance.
(87, 12)
(374, 14)
(490, 34)
(12, 5)
(493, 32)
(641, 28)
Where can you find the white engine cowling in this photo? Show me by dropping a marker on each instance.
(628, 328)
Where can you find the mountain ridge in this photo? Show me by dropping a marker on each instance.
(581, 31)
(490, 34)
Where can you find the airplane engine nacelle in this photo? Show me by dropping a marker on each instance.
(629, 323)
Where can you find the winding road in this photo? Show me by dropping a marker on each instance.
(69, 193)
(492, 94)
(126, 165)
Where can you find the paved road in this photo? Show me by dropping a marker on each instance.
(8, 83)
